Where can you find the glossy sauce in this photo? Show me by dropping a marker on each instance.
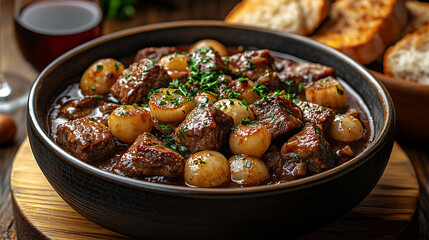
(73, 92)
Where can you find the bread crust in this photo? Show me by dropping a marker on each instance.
(418, 15)
(308, 14)
(363, 37)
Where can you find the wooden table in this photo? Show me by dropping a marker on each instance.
(147, 12)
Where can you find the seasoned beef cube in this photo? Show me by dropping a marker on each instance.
(258, 66)
(305, 71)
(204, 129)
(240, 88)
(108, 108)
(223, 90)
(310, 146)
(154, 53)
(314, 113)
(207, 60)
(147, 156)
(136, 81)
(294, 75)
(164, 128)
(85, 139)
(284, 168)
(80, 107)
(278, 114)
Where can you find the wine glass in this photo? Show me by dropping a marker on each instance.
(45, 29)
(13, 88)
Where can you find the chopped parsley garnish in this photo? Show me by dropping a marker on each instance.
(295, 156)
(324, 79)
(124, 112)
(117, 65)
(153, 91)
(243, 80)
(128, 75)
(260, 90)
(251, 65)
(165, 126)
(232, 94)
(89, 139)
(339, 91)
(149, 66)
(175, 146)
(248, 165)
(300, 86)
(246, 122)
(93, 89)
(100, 67)
(199, 161)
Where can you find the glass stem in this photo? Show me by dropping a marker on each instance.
(5, 89)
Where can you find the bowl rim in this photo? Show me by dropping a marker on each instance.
(306, 182)
(401, 84)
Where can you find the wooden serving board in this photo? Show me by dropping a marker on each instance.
(390, 210)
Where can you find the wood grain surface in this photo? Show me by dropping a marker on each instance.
(387, 213)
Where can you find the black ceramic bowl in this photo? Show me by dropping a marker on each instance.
(151, 210)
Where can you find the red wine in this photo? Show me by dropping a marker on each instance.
(47, 29)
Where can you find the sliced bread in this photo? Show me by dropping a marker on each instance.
(295, 16)
(409, 58)
(363, 29)
(418, 15)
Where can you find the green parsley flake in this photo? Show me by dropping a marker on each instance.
(248, 165)
(117, 65)
(339, 91)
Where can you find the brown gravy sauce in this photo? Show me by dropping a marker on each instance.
(73, 92)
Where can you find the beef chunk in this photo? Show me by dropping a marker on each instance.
(204, 129)
(305, 71)
(284, 168)
(314, 113)
(85, 139)
(278, 114)
(207, 60)
(222, 88)
(258, 66)
(147, 156)
(240, 88)
(136, 81)
(310, 146)
(154, 53)
(164, 128)
(108, 108)
(294, 75)
(80, 107)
